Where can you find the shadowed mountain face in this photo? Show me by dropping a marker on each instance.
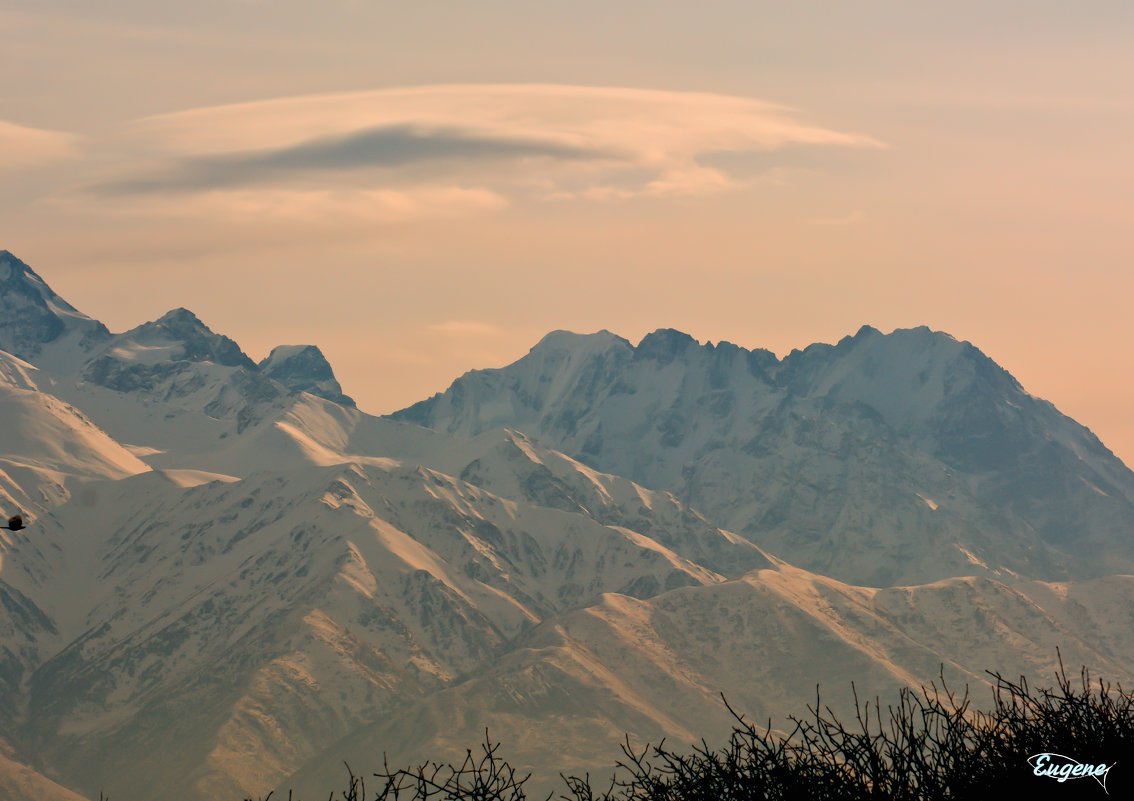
(883, 459)
(304, 368)
(34, 316)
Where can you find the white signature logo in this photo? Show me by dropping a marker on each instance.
(1061, 768)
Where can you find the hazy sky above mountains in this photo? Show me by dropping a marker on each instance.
(426, 188)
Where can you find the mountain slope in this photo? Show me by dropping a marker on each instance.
(47, 445)
(248, 622)
(563, 696)
(18, 781)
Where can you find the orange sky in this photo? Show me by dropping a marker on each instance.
(422, 191)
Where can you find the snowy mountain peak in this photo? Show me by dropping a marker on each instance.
(178, 360)
(304, 368)
(200, 342)
(562, 364)
(197, 341)
(572, 342)
(883, 371)
(180, 317)
(664, 345)
(33, 315)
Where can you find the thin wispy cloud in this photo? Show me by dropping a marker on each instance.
(325, 208)
(597, 143)
(388, 147)
(22, 147)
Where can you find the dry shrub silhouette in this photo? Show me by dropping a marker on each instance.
(483, 778)
(930, 745)
(486, 778)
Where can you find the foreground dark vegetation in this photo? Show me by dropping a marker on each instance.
(931, 744)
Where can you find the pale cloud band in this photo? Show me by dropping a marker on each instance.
(349, 160)
(334, 209)
(681, 121)
(22, 147)
(388, 147)
(596, 143)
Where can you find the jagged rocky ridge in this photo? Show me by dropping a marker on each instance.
(176, 359)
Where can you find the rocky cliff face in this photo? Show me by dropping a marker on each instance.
(304, 368)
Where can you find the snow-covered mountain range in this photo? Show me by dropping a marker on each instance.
(880, 460)
(234, 579)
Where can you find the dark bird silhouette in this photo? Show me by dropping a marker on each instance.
(15, 523)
